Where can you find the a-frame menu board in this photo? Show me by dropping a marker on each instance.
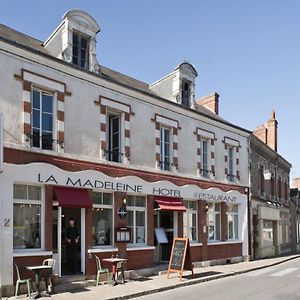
(180, 259)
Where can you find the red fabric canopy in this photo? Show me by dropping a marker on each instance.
(73, 197)
(170, 203)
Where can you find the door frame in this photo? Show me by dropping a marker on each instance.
(82, 239)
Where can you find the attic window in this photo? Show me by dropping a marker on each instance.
(185, 97)
(80, 51)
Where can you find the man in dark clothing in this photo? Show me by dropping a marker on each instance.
(72, 239)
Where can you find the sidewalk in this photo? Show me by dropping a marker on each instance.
(154, 284)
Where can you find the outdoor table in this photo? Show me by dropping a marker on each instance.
(37, 270)
(114, 261)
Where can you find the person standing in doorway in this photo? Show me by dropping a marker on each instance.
(72, 238)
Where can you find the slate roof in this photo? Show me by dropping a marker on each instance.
(31, 44)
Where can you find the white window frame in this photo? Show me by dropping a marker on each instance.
(162, 147)
(88, 39)
(54, 117)
(134, 209)
(42, 216)
(231, 176)
(214, 213)
(233, 214)
(114, 114)
(208, 157)
(186, 215)
(106, 206)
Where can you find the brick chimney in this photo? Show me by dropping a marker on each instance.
(268, 132)
(211, 102)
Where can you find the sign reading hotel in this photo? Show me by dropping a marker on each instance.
(132, 184)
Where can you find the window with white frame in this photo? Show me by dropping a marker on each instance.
(27, 217)
(80, 50)
(190, 220)
(214, 221)
(42, 119)
(136, 218)
(231, 163)
(232, 220)
(102, 219)
(165, 148)
(114, 137)
(204, 158)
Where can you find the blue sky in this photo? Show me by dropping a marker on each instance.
(247, 51)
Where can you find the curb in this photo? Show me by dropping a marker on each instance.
(197, 281)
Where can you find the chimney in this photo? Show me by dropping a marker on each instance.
(268, 132)
(211, 102)
(272, 132)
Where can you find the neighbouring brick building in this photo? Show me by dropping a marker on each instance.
(270, 206)
(129, 161)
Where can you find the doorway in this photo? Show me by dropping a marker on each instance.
(167, 220)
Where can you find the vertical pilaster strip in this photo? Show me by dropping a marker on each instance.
(103, 121)
(60, 121)
(237, 163)
(198, 166)
(127, 138)
(26, 113)
(175, 149)
(212, 156)
(157, 144)
(226, 160)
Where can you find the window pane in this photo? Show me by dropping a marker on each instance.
(36, 99)
(211, 227)
(218, 227)
(140, 201)
(34, 192)
(102, 226)
(140, 234)
(115, 124)
(129, 217)
(217, 207)
(107, 199)
(167, 135)
(230, 226)
(83, 43)
(140, 218)
(97, 198)
(194, 220)
(27, 229)
(74, 59)
(36, 118)
(47, 103)
(35, 138)
(130, 200)
(47, 122)
(75, 39)
(20, 191)
(236, 226)
(47, 141)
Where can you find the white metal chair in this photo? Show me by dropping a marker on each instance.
(100, 270)
(20, 281)
(49, 262)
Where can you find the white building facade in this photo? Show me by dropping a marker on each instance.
(125, 159)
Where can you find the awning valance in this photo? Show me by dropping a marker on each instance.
(73, 197)
(170, 203)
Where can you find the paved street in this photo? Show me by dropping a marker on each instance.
(279, 282)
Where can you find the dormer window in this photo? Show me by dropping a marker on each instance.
(185, 97)
(80, 51)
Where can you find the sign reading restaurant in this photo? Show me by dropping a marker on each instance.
(129, 186)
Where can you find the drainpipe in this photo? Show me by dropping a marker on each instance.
(249, 196)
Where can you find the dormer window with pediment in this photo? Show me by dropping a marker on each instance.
(75, 40)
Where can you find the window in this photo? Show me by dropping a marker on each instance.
(114, 138)
(185, 98)
(279, 183)
(232, 216)
(165, 149)
(102, 219)
(80, 51)
(136, 218)
(190, 220)
(27, 212)
(261, 181)
(230, 164)
(204, 158)
(214, 221)
(42, 119)
(267, 233)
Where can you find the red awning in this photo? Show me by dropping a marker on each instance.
(73, 197)
(170, 203)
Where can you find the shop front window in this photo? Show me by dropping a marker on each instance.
(27, 213)
(102, 219)
(267, 233)
(232, 217)
(190, 220)
(136, 218)
(214, 221)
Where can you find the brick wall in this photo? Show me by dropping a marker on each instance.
(224, 251)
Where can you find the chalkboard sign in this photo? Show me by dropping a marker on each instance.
(180, 259)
